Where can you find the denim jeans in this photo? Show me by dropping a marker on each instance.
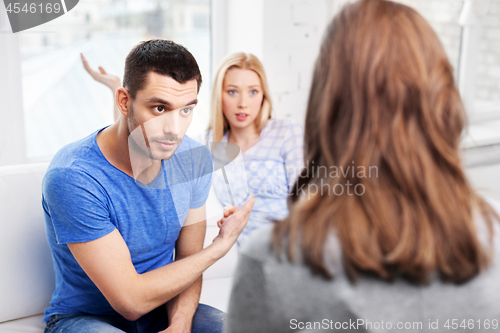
(206, 320)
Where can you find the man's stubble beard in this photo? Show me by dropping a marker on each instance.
(146, 151)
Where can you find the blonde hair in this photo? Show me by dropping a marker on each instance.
(218, 122)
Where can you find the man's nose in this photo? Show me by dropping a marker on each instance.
(172, 124)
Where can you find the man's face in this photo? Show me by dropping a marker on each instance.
(160, 115)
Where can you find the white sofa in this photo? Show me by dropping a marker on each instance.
(27, 278)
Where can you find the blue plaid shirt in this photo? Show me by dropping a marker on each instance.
(267, 170)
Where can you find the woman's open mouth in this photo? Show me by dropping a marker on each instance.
(241, 116)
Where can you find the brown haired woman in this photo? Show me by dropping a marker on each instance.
(272, 150)
(411, 247)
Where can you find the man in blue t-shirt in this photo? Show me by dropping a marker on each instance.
(118, 202)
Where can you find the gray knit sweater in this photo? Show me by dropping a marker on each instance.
(273, 296)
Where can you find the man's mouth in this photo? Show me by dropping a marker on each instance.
(166, 145)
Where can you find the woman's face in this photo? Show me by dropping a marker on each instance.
(242, 96)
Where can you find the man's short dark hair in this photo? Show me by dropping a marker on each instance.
(159, 56)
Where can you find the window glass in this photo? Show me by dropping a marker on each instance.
(487, 91)
(470, 33)
(443, 16)
(61, 102)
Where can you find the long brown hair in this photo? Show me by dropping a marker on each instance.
(383, 98)
(218, 122)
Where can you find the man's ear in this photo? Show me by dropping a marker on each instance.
(123, 100)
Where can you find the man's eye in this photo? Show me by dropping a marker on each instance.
(160, 108)
(186, 111)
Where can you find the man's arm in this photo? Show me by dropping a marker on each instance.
(181, 308)
(108, 263)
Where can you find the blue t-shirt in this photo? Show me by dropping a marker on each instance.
(84, 197)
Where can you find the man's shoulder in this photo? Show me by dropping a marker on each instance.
(74, 164)
(193, 152)
(190, 161)
(75, 153)
(189, 143)
(203, 137)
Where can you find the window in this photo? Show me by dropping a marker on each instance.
(60, 102)
(487, 92)
(470, 33)
(443, 17)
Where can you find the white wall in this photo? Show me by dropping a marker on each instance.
(284, 34)
(237, 26)
(12, 146)
(249, 20)
(293, 33)
(486, 180)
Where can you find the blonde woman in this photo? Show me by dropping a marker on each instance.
(272, 149)
(241, 113)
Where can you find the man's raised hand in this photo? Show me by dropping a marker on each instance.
(228, 211)
(233, 222)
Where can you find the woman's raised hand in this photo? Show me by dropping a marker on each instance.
(109, 80)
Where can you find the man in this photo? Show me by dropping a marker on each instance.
(115, 202)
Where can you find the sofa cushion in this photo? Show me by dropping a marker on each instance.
(216, 293)
(226, 266)
(32, 324)
(27, 279)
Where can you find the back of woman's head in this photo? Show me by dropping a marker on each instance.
(218, 122)
(384, 120)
